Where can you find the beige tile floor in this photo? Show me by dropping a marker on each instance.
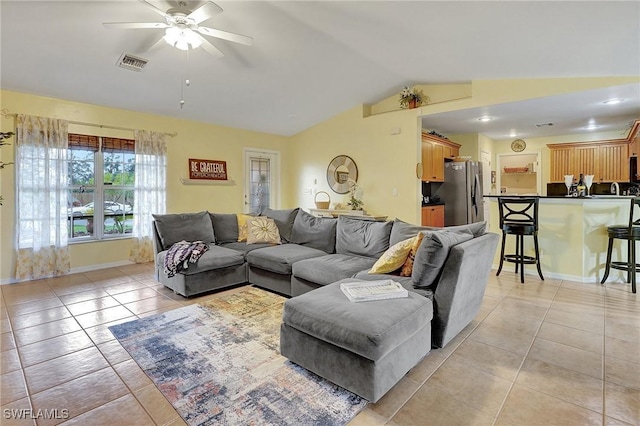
(542, 353)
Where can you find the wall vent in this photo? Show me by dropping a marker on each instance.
(130, 62)
(544, 124)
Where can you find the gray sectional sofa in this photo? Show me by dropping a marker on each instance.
(364, 347)
(452, 271)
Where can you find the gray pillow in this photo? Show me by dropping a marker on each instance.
(402, 230)
(225, 226)
(314, 232)
(284, 220)
(362, 237)
(432, 254)
(184, 226)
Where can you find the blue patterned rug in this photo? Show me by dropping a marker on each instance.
(218, 363)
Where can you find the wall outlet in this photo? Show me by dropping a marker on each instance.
(394, 192)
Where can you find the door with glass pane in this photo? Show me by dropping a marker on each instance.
(261, 180)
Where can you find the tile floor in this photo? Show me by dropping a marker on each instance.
(542, 353)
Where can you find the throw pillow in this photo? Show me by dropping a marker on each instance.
(263, 230)
(243, 226)
(393, 258)
(407, 267)
(432, 254)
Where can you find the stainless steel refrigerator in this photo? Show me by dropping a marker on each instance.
(461, 193)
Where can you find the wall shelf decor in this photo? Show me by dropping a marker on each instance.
(187, 181)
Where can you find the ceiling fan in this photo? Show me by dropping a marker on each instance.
(182, 27)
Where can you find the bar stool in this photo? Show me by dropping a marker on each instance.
(519, 217)
(630, 233)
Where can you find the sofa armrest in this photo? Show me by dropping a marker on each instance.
(157, 248)
(461, 287)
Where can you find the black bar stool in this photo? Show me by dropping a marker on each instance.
(519, 217)
(630, 233)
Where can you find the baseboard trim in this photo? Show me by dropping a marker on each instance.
(78, 270)
(566, 277)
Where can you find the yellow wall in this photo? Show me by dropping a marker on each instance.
(386, 162)
(194, 140)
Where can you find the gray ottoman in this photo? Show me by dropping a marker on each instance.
(365, 347)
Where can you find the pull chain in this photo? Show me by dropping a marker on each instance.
(185, 80)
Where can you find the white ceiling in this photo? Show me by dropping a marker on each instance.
(314, 59)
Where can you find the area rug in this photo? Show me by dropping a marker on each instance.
(219, 363)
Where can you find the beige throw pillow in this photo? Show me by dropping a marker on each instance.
(263, 230)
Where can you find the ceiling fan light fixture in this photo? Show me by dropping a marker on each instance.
(182, 38)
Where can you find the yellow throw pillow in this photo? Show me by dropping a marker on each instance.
(263, 230)
(393, 258)
(407, 268)
(243, 226)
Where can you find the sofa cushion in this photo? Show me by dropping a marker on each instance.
(370, 329)
(393, 258)
(362, 237)
(225, 227)
(432, 254)
(279, 259)
(215, 258)
(402, 230)
(331, 268)
(184, 226)
(243, 247)
(315, 232)
(263, 230)
(284, 221)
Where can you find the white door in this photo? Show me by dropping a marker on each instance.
(261, 177)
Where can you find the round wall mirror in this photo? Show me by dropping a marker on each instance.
(341, 170)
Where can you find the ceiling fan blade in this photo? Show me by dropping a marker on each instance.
(205, 12)
(225, 35)
(155, 9)
(210, 48)
(130, 25)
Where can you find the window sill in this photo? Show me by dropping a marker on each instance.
(94, 240)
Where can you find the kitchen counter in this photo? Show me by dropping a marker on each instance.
(572, 236)
(564, 197)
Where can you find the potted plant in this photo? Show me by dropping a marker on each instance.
(354, 192)
(412, 98)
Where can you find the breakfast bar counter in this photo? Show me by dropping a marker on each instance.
(572, 235)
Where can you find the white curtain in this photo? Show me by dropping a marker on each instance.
(41, 194)
(149, 193)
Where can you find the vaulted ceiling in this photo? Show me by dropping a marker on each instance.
(314, 59)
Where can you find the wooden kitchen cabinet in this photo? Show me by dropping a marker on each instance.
(433, 216)
(608, 161)
(435, 151)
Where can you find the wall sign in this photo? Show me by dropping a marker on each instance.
(207, 169)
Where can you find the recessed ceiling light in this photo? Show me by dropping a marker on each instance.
(592, 126)
(513, 134)
(485, 118)
(613, 101)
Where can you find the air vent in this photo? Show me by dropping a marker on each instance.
(544, 124)
(130, 62)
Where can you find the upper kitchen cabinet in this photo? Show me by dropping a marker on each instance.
(435, 151)
(608, 161)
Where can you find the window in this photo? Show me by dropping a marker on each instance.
(101, 173)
